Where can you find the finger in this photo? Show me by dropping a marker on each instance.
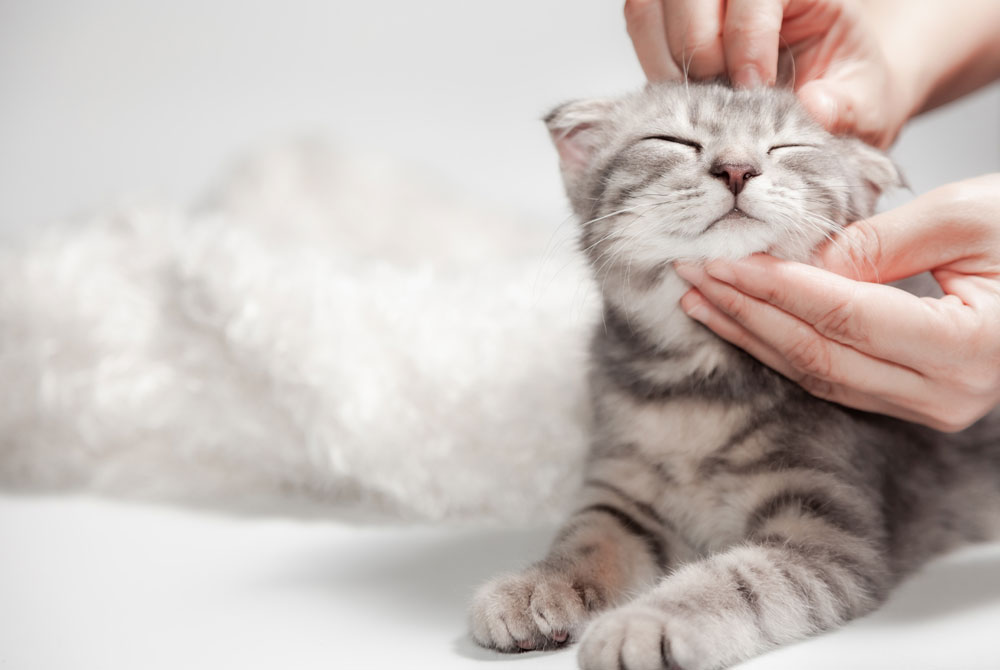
(806, 348)
(944, 227)
(699, 309)
(806, 19)
(644, 22)
(825, 107)
(879, 321)
(750, 40)
(694, 33)
(828, 43)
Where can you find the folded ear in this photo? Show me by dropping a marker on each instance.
(577, 129)
(876, 170)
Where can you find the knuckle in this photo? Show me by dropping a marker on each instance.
(735, 305)
(816, 386)
(955, 412)
(838, 323)
(811, 356)
(775, 294)
(950, 419)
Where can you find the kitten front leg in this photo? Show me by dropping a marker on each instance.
(725, 609)
(603, 554)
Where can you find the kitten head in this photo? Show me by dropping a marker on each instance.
(703, 171)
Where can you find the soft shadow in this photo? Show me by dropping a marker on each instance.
(426, 574)
(957, 583)
(465, 647)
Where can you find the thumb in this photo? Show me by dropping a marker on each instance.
(821, 104)
(919, 236)
(835, 104)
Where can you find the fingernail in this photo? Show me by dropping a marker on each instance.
(721, 271)
(694, 306)
(690, 272)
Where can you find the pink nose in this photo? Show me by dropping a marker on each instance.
(734, 176)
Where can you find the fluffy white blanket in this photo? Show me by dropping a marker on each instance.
(327, 332)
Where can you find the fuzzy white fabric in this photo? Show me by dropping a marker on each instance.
(325, 331)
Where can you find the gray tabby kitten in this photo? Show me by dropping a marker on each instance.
(725, 510)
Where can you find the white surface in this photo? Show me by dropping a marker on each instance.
(92, 584)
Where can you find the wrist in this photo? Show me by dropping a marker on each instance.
(907, 90)
(935, 53)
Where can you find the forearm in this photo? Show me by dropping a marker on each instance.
(938, 50)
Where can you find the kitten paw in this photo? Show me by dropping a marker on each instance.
(633, 637)
(536, 609)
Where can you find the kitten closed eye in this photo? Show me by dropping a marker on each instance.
(776, 147)
(675, 140)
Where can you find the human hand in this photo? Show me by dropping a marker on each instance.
(840, 73)
(866, 345)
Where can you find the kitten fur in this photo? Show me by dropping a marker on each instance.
(725, 511)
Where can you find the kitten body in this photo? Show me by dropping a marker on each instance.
(725, 511)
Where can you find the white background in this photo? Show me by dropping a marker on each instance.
(105, 99)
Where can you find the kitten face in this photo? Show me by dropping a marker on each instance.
(702, 171)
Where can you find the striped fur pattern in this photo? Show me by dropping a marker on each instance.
(725, 511)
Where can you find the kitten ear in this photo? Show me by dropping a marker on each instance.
(874, 167)
(576, 129)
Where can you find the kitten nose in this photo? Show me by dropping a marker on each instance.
(734, 175)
